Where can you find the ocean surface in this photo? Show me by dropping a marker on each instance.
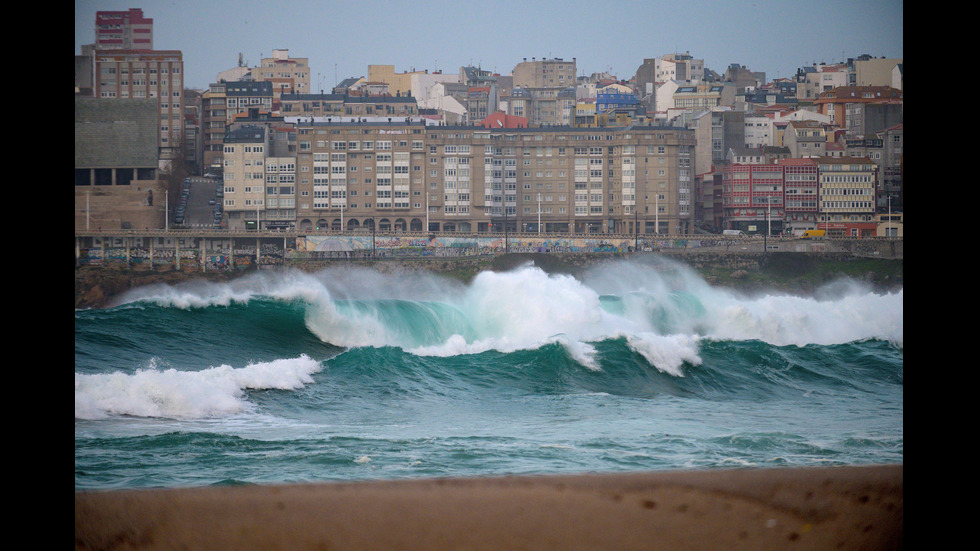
(350, 374)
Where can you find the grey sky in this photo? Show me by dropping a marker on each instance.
(341, 38)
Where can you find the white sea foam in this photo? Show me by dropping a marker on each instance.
(664, 310)
(171, 393)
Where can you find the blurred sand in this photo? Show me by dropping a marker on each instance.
(793, 508)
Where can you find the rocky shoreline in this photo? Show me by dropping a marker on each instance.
(97, 286)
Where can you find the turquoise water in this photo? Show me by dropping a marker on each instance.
(282, 377)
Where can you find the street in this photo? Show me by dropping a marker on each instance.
(201, 206)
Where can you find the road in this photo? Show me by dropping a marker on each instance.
(198, 210)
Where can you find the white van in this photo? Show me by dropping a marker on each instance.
(739, 233)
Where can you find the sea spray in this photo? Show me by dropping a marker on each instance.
(176, 394)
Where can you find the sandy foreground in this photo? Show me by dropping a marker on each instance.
(793, 508)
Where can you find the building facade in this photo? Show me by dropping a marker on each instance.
(244, 175)
(800, 186)
(416, 177)
(287, 75)
(834, 103)
(847, 192)
(544, 73)
(123, 30)
(752, 198)
(805, 139)
(153, 74)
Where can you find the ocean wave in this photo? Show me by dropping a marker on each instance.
(171, 393)
(664, 310)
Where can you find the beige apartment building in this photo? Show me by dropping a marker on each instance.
(402, 176)
(544, 73)
(288, 75)
(847, 203)
(150, 74)
(805, 139)
(244, 159)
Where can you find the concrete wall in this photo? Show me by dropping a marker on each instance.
(233, 253)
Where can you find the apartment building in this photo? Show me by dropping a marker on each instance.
(152, 74)
(800, 188)
(717, 131)
(242, 95)
(412, 176)
(339, 106)
(544, 73)
(221, 104)
(871, 71)
(834, 103)
(805, 139)
(214, 119)
(244, 175)
(704, 95)
(679, 67)
(814, 80)
(287, 75)
(123, 30)
(847, 188)
(752, 197)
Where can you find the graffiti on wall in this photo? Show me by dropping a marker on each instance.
(458, 246)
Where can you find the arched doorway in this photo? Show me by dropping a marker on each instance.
(305, 225)
(384, 225)
(353, 224)
(416, 225)
(400, 224)
(335, 225)
(321, 224)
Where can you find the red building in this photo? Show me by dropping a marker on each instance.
(123, 30)
(752, 198)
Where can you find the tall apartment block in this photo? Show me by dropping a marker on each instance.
(406, 175)
(153, 74)
(258, 188)
(123, 30)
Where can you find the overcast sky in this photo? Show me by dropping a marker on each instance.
(341, 38)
